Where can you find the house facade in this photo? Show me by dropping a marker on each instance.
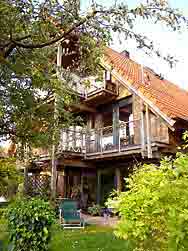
(131, 116)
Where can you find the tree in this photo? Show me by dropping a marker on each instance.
(154, 210)
(30, 32)
(31, 29)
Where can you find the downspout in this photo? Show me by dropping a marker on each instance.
(142, 129)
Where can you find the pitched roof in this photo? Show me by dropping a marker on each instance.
(170, 99)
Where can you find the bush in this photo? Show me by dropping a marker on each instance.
(10, 177)
(154, 212)
(29, 223)
(2, 212)
(94, 210)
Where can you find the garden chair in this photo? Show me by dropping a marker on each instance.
(70, 216)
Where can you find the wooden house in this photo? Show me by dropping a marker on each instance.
(132, 116)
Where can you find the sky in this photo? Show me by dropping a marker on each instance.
(174, 43)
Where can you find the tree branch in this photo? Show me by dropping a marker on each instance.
(10, 46)
(64, 35)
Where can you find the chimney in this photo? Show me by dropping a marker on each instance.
(125, 54)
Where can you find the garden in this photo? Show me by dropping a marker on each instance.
(153, 215)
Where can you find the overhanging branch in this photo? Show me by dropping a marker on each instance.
(57, 39)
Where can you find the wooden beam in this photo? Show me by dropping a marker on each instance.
(148, 129)
(129, 151)
(83, 107)
(82, 185)
(118, 179)
(125, 101)
(77, 163)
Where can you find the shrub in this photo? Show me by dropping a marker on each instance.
(154, 212)
(94, 210)
(29, 223)
(2, 212)
(10, 177)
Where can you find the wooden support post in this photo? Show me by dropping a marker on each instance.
(81, 132)
(98, 126)
(98, 186)
(65, 182)
(116, 133)
(148, 129)
(61, 183)
(82, 185)
(118, 179)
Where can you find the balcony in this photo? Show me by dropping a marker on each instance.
(101, 93)
(102, 141)
(98, 92)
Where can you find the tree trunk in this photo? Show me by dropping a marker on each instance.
(53, 173)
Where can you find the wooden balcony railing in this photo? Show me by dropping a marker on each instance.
(107, 139)
(72, 140)
(94, 88)
(106, 86)
(121, 138)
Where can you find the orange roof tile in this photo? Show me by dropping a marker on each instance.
(166, 96)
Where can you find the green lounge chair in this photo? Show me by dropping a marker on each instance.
(70, 216)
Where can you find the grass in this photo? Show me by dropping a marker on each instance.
(92, 238)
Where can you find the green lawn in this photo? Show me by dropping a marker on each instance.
(92, 238)
(3, 233)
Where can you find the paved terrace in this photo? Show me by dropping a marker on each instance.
(98, 220)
